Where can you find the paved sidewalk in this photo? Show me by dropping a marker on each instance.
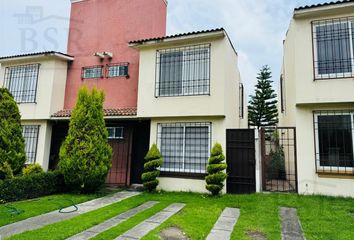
(151, 223)
(290, 225)
(55, 216)
(225, 224)
(95, 230)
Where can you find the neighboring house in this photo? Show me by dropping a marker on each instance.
(317, 84)
(37, 82)
(190, 89)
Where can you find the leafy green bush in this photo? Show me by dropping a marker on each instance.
(216, 175)
(12, 143)
(6, 171)
(32, 169)
(31, 186)
(85, 156)
(153, 160)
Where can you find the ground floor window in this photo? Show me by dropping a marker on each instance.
(185, 147)
(30, 134)
(334, 134)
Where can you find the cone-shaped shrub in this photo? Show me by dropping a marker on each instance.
(216, 175)
(85, 156)
(153, 160)
(12, 143)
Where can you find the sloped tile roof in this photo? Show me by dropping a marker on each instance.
(176, 35)
(35, 54)
(65, 113)
(323, 4)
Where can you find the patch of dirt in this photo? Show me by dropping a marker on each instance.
(173, 233)
(353, 214)
(256, 235)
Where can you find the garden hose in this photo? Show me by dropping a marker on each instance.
(76, 208)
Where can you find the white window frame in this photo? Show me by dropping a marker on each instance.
(117, 71)
(34, 144)
(317, 150)
(114, 132)
(184, 65)
(84, 74)
(185, 125)
(314, 38)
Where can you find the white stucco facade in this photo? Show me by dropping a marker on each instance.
(49, 96)
(219, 108)
(304, 94)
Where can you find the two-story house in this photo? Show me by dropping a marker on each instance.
(190, 90)
(316, 89)
(37, 82)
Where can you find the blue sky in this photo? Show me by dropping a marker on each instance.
(256, 27)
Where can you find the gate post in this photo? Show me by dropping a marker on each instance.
(258, 153)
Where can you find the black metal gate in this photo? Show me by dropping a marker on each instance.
(241, 161)
(279, 167)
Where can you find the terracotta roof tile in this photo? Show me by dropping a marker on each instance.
(65, 113)
(323, 4)
(176, 35)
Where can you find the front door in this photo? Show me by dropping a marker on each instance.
(241, 161)
(120, 139)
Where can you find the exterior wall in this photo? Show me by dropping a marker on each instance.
(99, 26)
(50, 87)
(224, 86)
(309, 181)
(304, 94)
(44, 140)
(218, 134)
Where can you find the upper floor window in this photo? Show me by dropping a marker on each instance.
(333, 48)
(183, 71)
(334, 134)
(117, 70)
(282, 94)
(92, 72)
(22, 82)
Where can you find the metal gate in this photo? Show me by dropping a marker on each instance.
(241, 160)
(279, 166)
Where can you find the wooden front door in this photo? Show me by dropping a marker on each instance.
(119, 175)
(241, 161)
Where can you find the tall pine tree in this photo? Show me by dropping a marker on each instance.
(12, 143)
(262, 109)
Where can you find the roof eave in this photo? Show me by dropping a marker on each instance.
(29, 57)
(198, 36)
(308, 12)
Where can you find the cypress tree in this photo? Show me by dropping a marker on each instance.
(216, 175)
(85, 155)
(153, 160)
(262, 109)
(12, 143)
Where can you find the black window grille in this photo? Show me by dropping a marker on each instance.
(183, 71)
(30, 134)
(282, 94)
(333, 48)
(185, 147)
(334, 132)
(117, 70)
(22, 82)
(241, 100)
(92, 72)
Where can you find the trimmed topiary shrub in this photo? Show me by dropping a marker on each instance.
(32, 169)
(12, 143)
(31, 186)
(216, 175)
(85, 156)
(153, 160)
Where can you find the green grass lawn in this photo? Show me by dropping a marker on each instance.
(321, 217)
(37, 206)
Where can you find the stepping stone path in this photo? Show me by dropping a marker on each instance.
(151, 223)
(173, 233)
(95, 230)
(225, 224)
(53, 217)
(290, 225)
